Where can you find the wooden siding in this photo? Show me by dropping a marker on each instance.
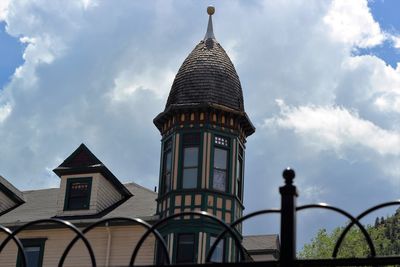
(123, 241)
(106, 194)
(5, 202)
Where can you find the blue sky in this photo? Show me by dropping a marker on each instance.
(320, 81)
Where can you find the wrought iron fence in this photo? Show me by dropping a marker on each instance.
(288, 213)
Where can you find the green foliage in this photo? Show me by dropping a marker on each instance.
(385, 234)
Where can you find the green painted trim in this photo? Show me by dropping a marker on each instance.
(67, 191)
(33, 242)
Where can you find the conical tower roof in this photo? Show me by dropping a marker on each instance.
(207, 76)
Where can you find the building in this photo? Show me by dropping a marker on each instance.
(204, 128)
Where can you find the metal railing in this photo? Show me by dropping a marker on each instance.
(288, 213)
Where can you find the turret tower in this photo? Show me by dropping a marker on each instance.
(204, 128)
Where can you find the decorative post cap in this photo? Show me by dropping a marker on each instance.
(288, 174)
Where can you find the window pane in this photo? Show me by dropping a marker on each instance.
(189, 178)
(223, 141)
(78, 193)
(185, 248)
(220, 158)
(168, 161)
(219, 180)
(78, 189)
(32, 255)
(190, 156)
(218, 254)
(239, 175)
(167, 183)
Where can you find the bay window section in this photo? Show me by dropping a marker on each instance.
(167, 167)
(221, 156)
(191, 144)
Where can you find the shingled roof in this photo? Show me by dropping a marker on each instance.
(42, 204)
(207, 76)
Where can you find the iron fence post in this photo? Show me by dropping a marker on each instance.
(288, 219)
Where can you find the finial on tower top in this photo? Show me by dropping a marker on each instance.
(210, 32)
(210, 10)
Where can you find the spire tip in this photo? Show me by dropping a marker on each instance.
(210, 10)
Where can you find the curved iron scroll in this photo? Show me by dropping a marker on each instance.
(135, 220)
(17, 242)
(166, 219)
(56, 221)
(349, 216)
(358, 218)
(232, 225)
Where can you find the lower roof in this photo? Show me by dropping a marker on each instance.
(42, 204)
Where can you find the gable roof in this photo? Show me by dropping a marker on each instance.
(42, 204)
(82, 160)
(11, 192)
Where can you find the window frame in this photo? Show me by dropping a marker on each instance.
(166, 149)
(69, 181)
(182, 167)
(239, 177)
(160, 257)
(227, 148)
(177, 248)
(32, 242)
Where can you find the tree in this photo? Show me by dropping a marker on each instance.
(385, 234)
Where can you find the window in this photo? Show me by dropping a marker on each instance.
(185, 248)
(239, 174)
(77, 196)
(167, 167)
(161, 256)
(218, 254)
(34, 250)
(191, 143)
(221, 153)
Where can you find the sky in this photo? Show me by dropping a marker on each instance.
(321, 83)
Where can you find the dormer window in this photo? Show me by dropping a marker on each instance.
(77, 196)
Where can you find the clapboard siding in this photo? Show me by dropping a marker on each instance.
(123, 241)
(106, 194)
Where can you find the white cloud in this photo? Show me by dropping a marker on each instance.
(352, 22)
(377, 82)
(5, 111)
(336, 128)
(98, 73)
(4, 9)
